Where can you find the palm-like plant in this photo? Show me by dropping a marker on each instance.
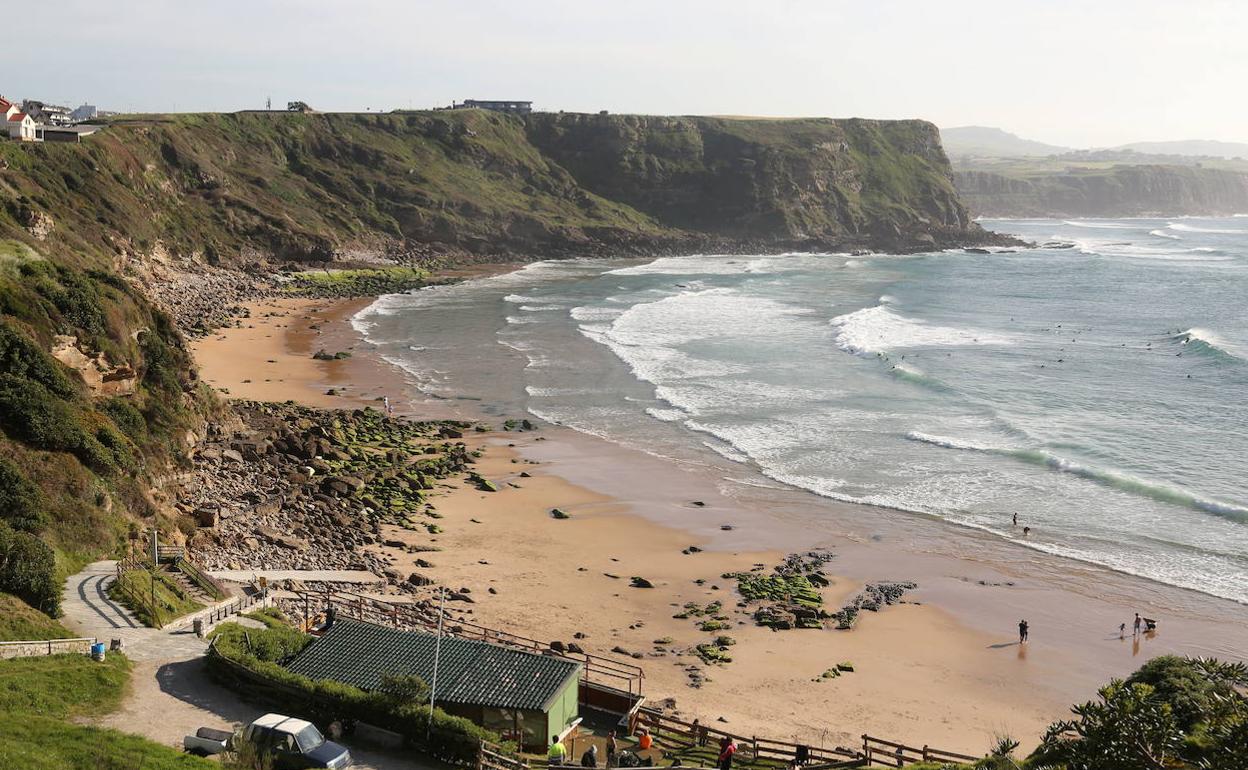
(1128, 728)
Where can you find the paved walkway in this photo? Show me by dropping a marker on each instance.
(171, 694)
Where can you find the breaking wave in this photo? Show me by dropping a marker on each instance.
(1209, 342)
(1213, 230)
(1120, 481)
(880, 329)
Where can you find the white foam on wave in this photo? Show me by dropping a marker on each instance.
(1184, 228)
(1090, 225)
(666, 415)
(1164, 234)
(1156, 490)
(1214, 341)
(591, 313)
(880, 329)
(540, 308)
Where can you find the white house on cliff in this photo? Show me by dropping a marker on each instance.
(18, 124)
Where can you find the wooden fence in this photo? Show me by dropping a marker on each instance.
(490, 757)
(81, 645)
(881, 752)
(198, 575)
(137, 597)
(677, 735)
(624, 677)
(236, 607)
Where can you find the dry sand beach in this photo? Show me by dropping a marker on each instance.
(943, 669)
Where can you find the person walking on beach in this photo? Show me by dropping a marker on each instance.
(389, 409)
(1022, 631)
(726, 754)
(1122, 630)
(557, 753)
(1137, 624)
(1016, 518)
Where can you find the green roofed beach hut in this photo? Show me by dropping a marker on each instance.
(520, 695)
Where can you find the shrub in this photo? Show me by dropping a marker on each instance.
(1128, 728)
(28, 570)
(128, 419)
(21, 357)
(34, 414)
(21, 502)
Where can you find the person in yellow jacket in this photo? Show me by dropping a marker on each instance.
(558, 753)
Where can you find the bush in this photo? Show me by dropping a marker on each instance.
(21, 357)
(34, 414)
(21, 502)
(1184, 684)
(128, 419)
(247, 660)
(28, 570)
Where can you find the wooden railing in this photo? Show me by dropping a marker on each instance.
(236, 607)
(137, 597)
(46, 647)
(624, 677)
(678, 735)
(198, 575)
(881, 752)
(170, 552)
(491, 757)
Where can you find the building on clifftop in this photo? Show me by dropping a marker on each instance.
(513, 107)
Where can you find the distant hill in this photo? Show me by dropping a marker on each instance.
(985, 141)
(1206, 148)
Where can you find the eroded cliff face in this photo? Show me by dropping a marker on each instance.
(244, 188)
(878, 183)
(1121, 191)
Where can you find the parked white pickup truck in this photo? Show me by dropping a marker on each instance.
(294, 744)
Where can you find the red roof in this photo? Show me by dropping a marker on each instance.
(17, 116)
(5, 104)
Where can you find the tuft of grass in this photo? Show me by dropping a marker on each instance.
(44, 743)
(20, 622)
(63, 686)
(134, 589)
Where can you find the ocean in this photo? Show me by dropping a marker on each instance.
(1096, 386)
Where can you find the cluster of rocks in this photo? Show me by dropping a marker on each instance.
(872, 598)
(288, 487)
(200, 297)
(791, 591)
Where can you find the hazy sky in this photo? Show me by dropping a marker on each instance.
(1092, 72)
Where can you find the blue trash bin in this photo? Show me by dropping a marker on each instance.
(97, 651)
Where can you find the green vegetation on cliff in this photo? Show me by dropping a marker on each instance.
(306, 187)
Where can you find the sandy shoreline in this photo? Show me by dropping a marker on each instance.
(946, 672)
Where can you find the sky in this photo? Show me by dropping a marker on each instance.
(1084, 74)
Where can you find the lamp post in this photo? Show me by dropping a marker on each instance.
(437, 651)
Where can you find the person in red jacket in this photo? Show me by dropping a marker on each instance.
(729, 748)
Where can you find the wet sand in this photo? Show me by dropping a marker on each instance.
(945, 671)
